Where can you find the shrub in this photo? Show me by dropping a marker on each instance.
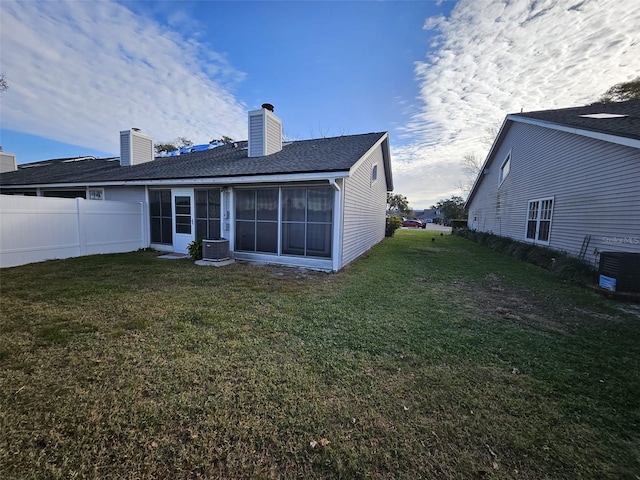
(558, 262)
(393, 223)
(195, 249)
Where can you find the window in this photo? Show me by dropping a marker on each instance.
(374, 173)
(286, 221)
(505, 168)
(539, 215)
(208, 214)
(183, 214)
(160, 216)
(257, 220)
(65, 193)
(96, 194)
(307, 215)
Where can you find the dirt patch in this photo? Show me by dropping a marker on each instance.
(494, 298)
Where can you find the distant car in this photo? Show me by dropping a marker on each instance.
(412, 223)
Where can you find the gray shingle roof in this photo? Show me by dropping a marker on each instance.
(624, 126)
(333, 154)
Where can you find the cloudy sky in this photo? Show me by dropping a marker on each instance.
(435, 74)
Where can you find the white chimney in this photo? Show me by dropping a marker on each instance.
(265, 132)
(7, 162)
(135, 147)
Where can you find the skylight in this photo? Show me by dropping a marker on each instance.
(603, 115)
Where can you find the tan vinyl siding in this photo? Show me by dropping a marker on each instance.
(273, 136)
(364, 208)
(141, 149)
(595, 186)
(7, 162)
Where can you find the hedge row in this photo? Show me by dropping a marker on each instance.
(557, 262)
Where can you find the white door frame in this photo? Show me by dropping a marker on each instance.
(183, 233)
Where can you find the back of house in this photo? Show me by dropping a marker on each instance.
(316, 203)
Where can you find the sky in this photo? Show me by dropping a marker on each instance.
(437, 75)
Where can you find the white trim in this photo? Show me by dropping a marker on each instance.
(168, 183)
(376, 145)
(501, 177)
(338, 226)
(535, 240)
(374, 174)
(607, 137)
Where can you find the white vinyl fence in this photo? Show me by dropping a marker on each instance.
(33, 229)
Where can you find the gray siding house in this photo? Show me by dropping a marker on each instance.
(315, 203)
(568, 179)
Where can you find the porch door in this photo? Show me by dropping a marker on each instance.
(183, 225)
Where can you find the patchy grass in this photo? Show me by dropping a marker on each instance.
(425, 359)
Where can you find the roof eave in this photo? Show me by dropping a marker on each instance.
(607, 137)
(227, 180)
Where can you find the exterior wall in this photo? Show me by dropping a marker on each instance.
(125, 194)
(35, 229)
(595, 186)
(365, 203)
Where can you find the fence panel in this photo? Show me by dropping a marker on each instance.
(34, 229)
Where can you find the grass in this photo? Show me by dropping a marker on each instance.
(425, 359)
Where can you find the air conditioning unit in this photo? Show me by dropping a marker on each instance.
(621, 271)
(215, 250)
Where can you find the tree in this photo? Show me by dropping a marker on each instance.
(471, 166)
(184, 142)
(451, 208)
(224, 139)
(165, 147)
(398, 203)
(172, 145)
(472, 163)
(4, 86)
(621, 92)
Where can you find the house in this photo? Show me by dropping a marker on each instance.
(314, 203)
(427, 215)
(568, 179)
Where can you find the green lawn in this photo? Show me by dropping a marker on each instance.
(424, 359)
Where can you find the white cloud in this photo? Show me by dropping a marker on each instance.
(492, 58)
(80, 72)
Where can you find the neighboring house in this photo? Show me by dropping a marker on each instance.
(568, 179)
(427, 215)
(315, 203)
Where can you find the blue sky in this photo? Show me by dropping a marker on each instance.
(435, 75)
